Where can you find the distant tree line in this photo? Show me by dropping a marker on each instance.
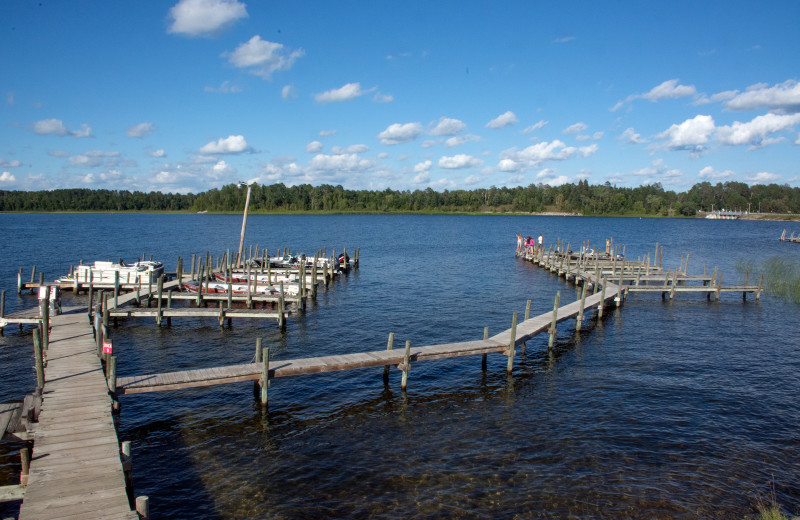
(580, 198)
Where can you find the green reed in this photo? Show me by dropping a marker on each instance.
(781, 276)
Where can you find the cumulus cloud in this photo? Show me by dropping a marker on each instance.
(711, 174)
(576, 128)
(158, 153)
(382, 98)
(103, 177)
(355, 148)
(535, 127)
(141, 130)
(783, 98)
(538, 153)
(423, 166)
(314, 147)
(690, 135)
(763, 178)
(7, 177)
(327, 133)
(233, 144)
(550, 176)
(221, 168)
(755, 132)
(459, 161)
(458, 140)
(343, 93)
(669, 89)
(93, 158)
(631, 137)
(503, 120)
(262, 58)
(9, 164)
(56, 127)
(340, 163)
(400, 133)
(422, 177)
(205, 17)
(447, 126)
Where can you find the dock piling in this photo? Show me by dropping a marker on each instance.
(552, 330)
(389, 346)
(512, 344)
(406, 362)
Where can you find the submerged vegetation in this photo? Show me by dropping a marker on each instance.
(580, 198)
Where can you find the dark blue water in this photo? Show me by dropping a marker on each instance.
(678, 409)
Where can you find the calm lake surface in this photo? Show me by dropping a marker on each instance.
(662, 409)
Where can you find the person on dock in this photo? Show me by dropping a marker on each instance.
(541, 241)
(519, 244)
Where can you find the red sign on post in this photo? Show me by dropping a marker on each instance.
(107, 347)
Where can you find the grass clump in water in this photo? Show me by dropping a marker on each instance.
(781, 276)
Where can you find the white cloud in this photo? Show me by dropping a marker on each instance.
(232, 144)
(314, 147)
(508, 165)
(344, 93)
(7, 177)
(400, 133)
(382, 98)
(205, 17)
(670, 89)
(461, 139)
(158, 153)
(447, 126)
(103, 177)
(631, 137)
(576, 128)
(691, 135)
(327, 133)
(755, 132)
(9, 164)
(763, 178)
(549, 176)
(221, 168)
(423, 166)
(710, 173)
(782, 98)
(428, 143)
(540, 152)
(56, 127)
(422, 177)
(141, 130)
(535, 127)
(224, 88)
(355, 148)
(289, 92)
(340, 163)
(564, 39)
(586, 151)
(262, 58)
(459, 161)
(93, 158)
(502, 120)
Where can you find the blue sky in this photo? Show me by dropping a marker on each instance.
(191, 95)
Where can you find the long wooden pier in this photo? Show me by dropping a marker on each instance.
(790, 238)
(76, 469)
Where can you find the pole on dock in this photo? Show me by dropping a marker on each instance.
(143, 507)
(405, 367)
(2, 303)
(552, 330)
(160, 294)
(602, 303)
(112, 374)
(580, 311)
(389, 346)
(37, 353)
(116, 289)
(512, 344)
(25, 459)
(265, 378)
(719, 284)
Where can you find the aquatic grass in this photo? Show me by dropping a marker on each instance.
(771, 510)
(781, 276)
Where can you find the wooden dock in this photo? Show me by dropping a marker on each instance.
(76, 469)
(791, 238)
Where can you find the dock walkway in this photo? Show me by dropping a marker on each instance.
(76, 470)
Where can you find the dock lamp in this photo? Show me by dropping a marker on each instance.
(244, 222)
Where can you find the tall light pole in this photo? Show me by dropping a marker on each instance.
(244, 224)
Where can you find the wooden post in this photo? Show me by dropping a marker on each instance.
(602, 303)
(552, 330)
(512, 342)
(580, 311)
(760, 285)
(389, 346)
(674, 283)
(116, 289)
(527, 310)
(406, 362)
(143, 507)
(483, 357)
(719, 284)
(37, 354)
(160, 294)
(281, 308)
(221, 315)
(33, 273)
(112, 374)
(265, 378)
(2, 303)
(259, 349)
(25, 459)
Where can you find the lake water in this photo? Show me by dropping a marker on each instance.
(662, 409)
